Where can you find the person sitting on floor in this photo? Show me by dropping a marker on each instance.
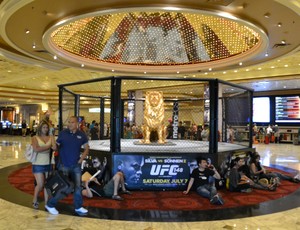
(244, 170)
(239, 180)
(95, 188)
(200, 176)
(258, 172)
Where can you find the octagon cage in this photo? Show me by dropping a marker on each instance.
(154, 129)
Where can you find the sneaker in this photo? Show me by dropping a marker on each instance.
(217, 200)
(297, 177)
(116, 197)
(214, 200)
(248, 190)
(126, 192)
(35, 205)
(81, 210)
(52, 211)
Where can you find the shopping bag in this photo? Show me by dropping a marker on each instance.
(58, 182)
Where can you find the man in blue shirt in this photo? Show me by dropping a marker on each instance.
(70, 142)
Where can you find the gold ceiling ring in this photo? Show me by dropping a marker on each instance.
(154, 40)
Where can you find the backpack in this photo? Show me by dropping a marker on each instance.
(30, 154)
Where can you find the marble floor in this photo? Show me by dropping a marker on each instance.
(13, 216)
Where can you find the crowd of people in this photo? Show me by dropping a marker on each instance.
(69, 142)
(243, 175)
(192, 132)
(265, 134)
(92, 130)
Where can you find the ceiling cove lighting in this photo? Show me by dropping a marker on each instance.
(154, 38)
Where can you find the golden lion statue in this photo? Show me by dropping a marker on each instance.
(154, 113)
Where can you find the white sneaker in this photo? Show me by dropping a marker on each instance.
(81, 210)
(52, 211)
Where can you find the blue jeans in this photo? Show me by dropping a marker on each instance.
(74, 172)
(207, 191)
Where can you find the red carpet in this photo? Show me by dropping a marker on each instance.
(23, 180)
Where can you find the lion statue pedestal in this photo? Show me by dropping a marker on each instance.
(154, 113)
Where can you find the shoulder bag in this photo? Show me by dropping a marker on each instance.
(58, 182)
(30, 154)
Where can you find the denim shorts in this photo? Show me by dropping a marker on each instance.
(41, 168)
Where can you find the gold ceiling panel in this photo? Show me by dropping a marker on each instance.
(155, 38)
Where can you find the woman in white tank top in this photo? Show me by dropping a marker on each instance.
(42, 143)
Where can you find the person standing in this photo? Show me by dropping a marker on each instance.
(230, 133)
(42, 143)
(181, 130)
(201, 176)
(24, 128)
(70, 142)
(95, 132)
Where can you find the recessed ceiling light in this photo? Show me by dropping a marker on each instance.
(282, 41)
(286, 65)
(235, 71)
(33, 46)
(267, 15)
(82, 65)
(224, 72)
(279, 24)
(241, 63)
(54, 57)
(178, 72)
(272, 67)
(27, 31)
(259, 68)
(210, 69)
(266, 54)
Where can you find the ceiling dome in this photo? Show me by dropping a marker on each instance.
(188, 39)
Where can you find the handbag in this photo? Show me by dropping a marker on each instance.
(58, 182)
(30, 154)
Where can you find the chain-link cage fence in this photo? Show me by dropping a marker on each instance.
(93, 109)
(235, 104)
(160, 115)
(171, 113)
(68, 107)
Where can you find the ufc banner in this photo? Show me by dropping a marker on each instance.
(155, 172)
